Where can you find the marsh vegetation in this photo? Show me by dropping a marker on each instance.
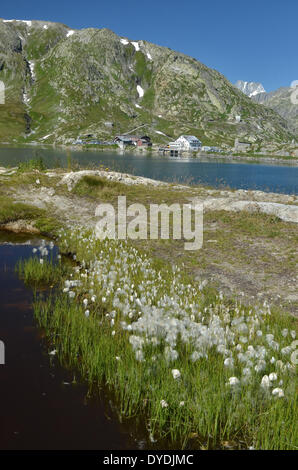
(196, 365)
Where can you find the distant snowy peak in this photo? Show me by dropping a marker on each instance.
(250, 88)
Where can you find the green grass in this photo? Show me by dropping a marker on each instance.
(101, 350)
(36, 274)
(48, 225)
(143, 71)
(261, 225)
(10, 211)
(32, 164)
(97, 187)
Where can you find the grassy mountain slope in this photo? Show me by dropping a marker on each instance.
(62, 84)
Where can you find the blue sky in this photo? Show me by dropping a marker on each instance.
(251, 40)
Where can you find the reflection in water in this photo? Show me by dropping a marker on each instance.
(216, 172)
(41, 407)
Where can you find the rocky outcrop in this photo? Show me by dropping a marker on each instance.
(71, 179)
(287, 213)
(283, 206)
(20, 226)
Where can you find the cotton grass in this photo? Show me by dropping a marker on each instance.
(176, 346)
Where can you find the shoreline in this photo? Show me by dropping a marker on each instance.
(281, 161)
(282, 206)
(236, 223)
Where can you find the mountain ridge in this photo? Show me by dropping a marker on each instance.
(62, 83)
(250, 88)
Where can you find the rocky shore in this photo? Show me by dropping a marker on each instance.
(282, 206)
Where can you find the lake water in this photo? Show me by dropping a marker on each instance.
(40, 407)
(279, 178)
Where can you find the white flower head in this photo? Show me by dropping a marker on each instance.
(176, 374)
(228, 362)
(272, 376)
(234, 381)
(265, 382)
(278, 392)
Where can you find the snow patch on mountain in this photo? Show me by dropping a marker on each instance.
(28, 23)
(250, 88)
(26, 99)
(136, 45)
(32, 69)
(140, 91)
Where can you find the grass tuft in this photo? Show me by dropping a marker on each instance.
(38, 272)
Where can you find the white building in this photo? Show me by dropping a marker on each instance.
(186, 142)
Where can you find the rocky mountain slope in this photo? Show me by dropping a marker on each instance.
(280, 101)
(62, 84)
(250, 88)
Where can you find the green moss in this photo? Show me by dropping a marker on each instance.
(10, 211)
(48, 225)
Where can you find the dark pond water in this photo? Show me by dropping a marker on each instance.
(278, 178)
(40, 407)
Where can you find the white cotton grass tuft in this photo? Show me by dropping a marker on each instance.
(164, 404)
(234, 381)
(265, 383)
(278, 392)
(272, 376)
(229, 362)
(164, 321)
(176, 374)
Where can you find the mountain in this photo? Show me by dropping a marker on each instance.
(280, 101)
(63, 83)
(250, 88)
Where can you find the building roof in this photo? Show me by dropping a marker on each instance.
(190, 138)
(126, 138)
